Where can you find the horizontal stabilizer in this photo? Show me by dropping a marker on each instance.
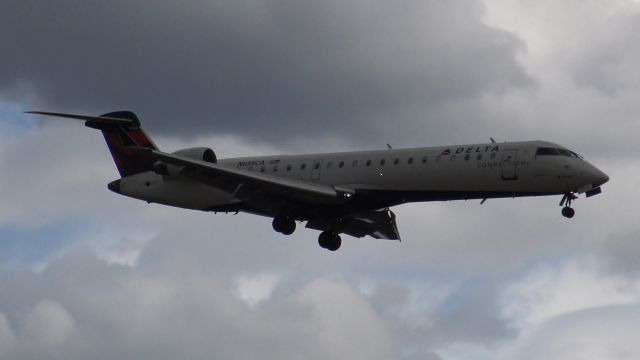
(121, 130)
(93, 119)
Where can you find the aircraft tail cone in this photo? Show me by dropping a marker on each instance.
(114, 186)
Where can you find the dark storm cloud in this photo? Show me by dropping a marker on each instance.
(257, 68)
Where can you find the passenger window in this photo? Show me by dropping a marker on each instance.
(382, 162)
(275, 168)
(303, 166)
(479, 157)
(262, 169)
(368, 162)
(317, 166)
(289, 167)
(396, 161)
(467, 157)
(354, 163)
(424, 159)
(410, 161)
(341, 165)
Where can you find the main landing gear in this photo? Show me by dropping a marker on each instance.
(567, 210)
(329, 240)
(287, 225)
(284, 224)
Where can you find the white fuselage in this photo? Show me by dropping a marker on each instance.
(390, 177)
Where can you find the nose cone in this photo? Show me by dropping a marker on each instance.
(598, 177)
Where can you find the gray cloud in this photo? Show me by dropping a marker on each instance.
(415, 72)
(603, 333)
(425, 316)
(620, 253)
(461, 253)
(272, 70)
(82, 308)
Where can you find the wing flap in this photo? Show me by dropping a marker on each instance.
(379, 224)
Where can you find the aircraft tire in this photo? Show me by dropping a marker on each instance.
(324, 239)
(568, 212)
(289, 227)
(335, 243)
(284, 225)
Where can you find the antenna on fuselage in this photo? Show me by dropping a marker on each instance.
(492, 140)
(389, 147)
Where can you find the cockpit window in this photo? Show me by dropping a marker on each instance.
(547, 151)
(556, 152)
(576, 155)
(564, 152)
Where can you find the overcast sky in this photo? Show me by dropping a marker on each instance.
(85, 273)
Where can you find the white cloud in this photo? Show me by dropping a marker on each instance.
(568, 311)
(608, 333)
(579, 54)
(257, 288)
(46, 167)
(550, 292)
(348, 326)
(105, 311)
(118, 248)
(48, 325)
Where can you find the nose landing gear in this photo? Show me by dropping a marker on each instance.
(567, 210)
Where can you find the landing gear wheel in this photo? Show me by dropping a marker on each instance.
(284, 225)
(324, 239)
(568, 212)
(329, 241)
(335, 243)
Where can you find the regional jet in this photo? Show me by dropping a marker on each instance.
(338, 193)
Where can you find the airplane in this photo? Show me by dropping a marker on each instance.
(338, 193)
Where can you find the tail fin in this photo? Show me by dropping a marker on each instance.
(121, 129)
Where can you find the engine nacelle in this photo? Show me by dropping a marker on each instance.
(196, 153)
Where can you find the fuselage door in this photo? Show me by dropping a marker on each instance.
(509, 164)
(315, 170)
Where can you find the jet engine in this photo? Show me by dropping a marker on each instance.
(197, 153)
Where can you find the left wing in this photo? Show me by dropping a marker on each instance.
(245, 184)
(261, 189)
